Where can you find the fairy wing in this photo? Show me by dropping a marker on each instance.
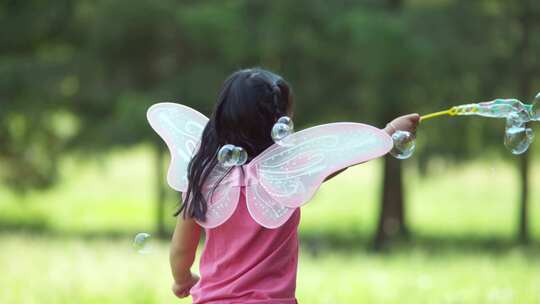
(280, 179)
(288, 175)
(264, 209)
(181, 128)
(221, 192)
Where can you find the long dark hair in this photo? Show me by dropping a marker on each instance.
(249, 104)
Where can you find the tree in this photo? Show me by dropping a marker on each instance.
(35, 87)
(97, 66)
(525, 73)
(392, 211)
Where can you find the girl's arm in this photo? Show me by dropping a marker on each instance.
(182, 254)
(405, 123)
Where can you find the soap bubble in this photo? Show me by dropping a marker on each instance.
(281, 129)
(514, 120)
(404, 144)
(241, 155)
(518, 139)
(225, 156)
(523, 115)
(230, 155)
(141, 243)
(288, 121)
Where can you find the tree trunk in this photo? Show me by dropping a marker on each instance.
(392, 213)
(524, 78)
(160, 191)
(524, 198)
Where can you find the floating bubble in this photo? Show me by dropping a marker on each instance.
(281, 129)
(230, 155)
(518, 139)
(404, 144)
(141, 243)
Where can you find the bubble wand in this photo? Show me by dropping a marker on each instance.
(498, 108)
(448, 112)
(517, 136)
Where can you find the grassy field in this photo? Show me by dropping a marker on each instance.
(71, 270)
(72, 244)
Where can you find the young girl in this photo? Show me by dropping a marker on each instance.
(242, 262)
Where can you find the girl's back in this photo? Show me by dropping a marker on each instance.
(243, 262)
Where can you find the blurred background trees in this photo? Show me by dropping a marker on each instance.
(78, 76)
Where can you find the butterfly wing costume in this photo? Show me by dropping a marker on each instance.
(282, 178)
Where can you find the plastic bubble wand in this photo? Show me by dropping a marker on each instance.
(498, 108)
(517, 136)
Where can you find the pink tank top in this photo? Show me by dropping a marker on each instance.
(243, 262)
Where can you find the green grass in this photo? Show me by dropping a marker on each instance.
(46, 269)
(116, 193)
(476, 200)
(463, 220)
(98, 195)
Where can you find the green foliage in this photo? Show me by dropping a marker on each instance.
(102, 63)
(34, 59)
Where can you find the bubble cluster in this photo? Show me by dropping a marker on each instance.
(231, 155)
(141, 243)
(281, 129)
(404, 144)
(519, 116)
(518, 140)
(517, 137)
(514, 120)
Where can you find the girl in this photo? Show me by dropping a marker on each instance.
(242, 262)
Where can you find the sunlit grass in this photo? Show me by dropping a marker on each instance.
(117, 193)
(72, 270)
(472, 200)
(108, 194)
(477, 201)
(50, 270)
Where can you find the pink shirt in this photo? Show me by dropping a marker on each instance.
(243, 262)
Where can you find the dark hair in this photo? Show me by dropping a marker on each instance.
(249, 104)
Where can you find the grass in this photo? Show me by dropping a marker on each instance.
(44, 269)
(476, 200)
(72, 244)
